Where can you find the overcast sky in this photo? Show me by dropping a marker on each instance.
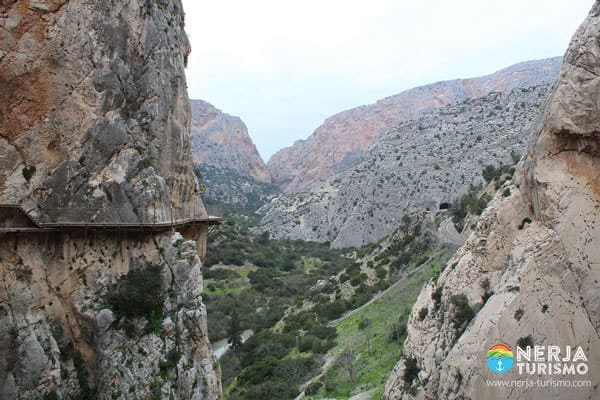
(285, 66)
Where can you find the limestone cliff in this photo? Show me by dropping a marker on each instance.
(95, 116)
(94, 129)
(61, 336)
(221, 140)
(342, 138)
(530, 271)
(419, 164)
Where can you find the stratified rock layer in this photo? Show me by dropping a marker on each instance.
(539, 250)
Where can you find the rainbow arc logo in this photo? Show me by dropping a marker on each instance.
(499, 358)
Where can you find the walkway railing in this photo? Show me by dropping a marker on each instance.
(173, 220)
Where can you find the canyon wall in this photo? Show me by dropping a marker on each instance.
(222, 141)
(94, 129)
(419, 164)
(343, 138)
(95, 116)
(530, 270)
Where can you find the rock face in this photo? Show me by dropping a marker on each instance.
(345, 136)
(95, 128)
(220, 140)
(418, 164)
(59, 336)
(537, 249)
(95, 116)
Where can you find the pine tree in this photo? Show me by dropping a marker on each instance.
(235, 331)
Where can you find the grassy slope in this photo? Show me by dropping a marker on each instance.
(375, 361)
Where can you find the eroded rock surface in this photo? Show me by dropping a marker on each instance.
(94, 128)
(539, 251)
(95, 116)
(60, 335)
(419, 164)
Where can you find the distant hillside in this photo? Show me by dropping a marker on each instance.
(342, 138)
(222, 141)
(419, 164)
(233, 191)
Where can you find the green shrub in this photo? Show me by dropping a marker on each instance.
(170, 361)
(471, 202)
(219, 274)
(230, 366)
(423, 313)
(51, 395)
(307, 343)
(411, 371)
(380, 272)
(487, 292)
(463, 312)
(83, 378)
(525, 341)
(313, 388)
(436, 296)
(398, 330)
(356, 280)
(364, 324)
(155, 319)
(138, 294)
(519, 314)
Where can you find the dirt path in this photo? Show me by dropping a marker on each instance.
(330, 359)
(448, 233)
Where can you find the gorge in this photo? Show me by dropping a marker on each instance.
(384, 257)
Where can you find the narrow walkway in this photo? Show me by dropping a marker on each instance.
(19, 220)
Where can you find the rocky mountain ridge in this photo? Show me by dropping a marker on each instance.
(419, 164)
(528, 275)
(222, 141)
(342, 138)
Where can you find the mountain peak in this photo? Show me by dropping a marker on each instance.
(222, 140)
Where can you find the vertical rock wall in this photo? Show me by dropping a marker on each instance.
(94, 127)
(60, 333)
(538, 251)
(95, 117)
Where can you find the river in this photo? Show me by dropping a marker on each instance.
(220, 347)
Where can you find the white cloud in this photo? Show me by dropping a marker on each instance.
(285, 66)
